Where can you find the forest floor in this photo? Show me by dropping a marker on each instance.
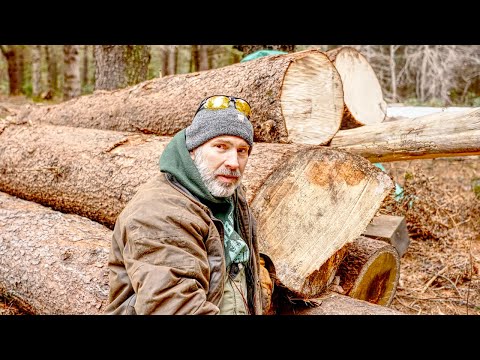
(440, 272)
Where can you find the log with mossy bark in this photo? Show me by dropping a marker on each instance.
(287, 93)
(308, 200)
(427, 137)
(362, 92)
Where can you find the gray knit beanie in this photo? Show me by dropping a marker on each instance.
(207, 124)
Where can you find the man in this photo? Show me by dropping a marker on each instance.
(186, 243)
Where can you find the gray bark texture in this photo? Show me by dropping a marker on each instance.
(51, 262)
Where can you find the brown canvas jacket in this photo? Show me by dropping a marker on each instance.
(172, 249)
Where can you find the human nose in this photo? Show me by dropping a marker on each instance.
(232, 160)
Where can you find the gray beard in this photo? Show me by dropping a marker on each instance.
(216, 187)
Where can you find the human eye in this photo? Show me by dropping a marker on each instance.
(243, 151)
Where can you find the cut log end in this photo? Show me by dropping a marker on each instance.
(309, 187)
(312, 99)
(370, 271)
(363, 95)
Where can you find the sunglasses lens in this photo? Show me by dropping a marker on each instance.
(217, 102)
(243, 106)
(223, 102)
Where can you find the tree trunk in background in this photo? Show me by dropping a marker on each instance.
(21, 67)
(248, 49)
(71, 72)
(393, 72)
(204, 58)
(172, 54)
(164, 60)
(85, 78)
(36, 71)
(11, 53)
(294, 97)
(119, 66)
(194, 59)
(309, 201)
(52, 78)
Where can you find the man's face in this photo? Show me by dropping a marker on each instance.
(221, 162)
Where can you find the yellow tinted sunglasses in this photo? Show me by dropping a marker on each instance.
(217, 102)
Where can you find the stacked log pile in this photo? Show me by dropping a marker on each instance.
(312, 191)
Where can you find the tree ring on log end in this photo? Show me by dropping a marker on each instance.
(312, 99)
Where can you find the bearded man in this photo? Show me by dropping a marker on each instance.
(186, 243)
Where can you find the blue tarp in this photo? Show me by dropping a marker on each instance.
(261, 53)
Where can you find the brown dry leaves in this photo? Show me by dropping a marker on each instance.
(440, 273)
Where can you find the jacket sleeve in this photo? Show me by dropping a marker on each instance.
(166, 260)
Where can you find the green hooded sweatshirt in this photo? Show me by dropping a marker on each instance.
(176, 160)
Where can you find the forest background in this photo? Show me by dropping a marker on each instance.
(431, 75)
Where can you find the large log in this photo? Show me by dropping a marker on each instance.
(58, 265)
(309, 200)
(51, 262)
(288, 93)
(427, 137)
(331, 303)
(370, 271)
(362, 92)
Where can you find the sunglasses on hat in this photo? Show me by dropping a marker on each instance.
(217, 102)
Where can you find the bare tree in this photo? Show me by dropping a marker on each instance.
(172, 59)
(204, 62)
(36, 52)
(52, 72)
(118, 66)
(85, 68)
(12, 55)
(194, 58)
(71, 72)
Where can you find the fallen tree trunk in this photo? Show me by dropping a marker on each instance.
(309, 201)
(332, 303)
(362, 92)
(370, 271)
(51, 262)
(288, 93)
(427, 137)
(58, 265)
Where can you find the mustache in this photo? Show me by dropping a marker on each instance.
(228, 172)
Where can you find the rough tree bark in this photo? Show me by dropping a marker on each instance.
(363, 97)
(119, 66)
(295, 98)
(331, 303)
(308, 200)
(370, 271)
(58, 265)
(51, 262)
(427, 137)
(71, 72)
